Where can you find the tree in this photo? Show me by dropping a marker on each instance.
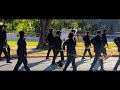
(58, 24)
(45, 24)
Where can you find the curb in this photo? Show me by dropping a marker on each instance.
(57, 56)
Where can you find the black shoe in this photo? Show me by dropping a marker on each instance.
(114, 69)
(47, 58)
(102, 70)
(90, 69)
(64, 70)
(60, 64)
(83, 57)
(11, 58)
(8, 62)
(76, 57)
(91, 57)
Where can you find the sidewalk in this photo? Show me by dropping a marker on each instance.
(41, 64)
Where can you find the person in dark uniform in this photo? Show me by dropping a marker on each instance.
(5, 39)
(104, 41)
(74, 38)
(21, 52)
(50, 41)
(58, 47)
(97, 43)
(117, 42)
(70, 52)
(3, 43)
(87, 45)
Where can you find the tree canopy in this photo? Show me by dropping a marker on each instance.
(31, 25)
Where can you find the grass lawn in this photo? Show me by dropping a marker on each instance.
(79, 44)
(14, 43)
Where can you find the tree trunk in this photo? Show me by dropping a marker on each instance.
(45, 24)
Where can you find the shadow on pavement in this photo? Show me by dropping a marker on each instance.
(35, 51)
(79, 62)
(97, 65)
(4, 59)
(33, 64)
(50, 68)
(4, 65)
